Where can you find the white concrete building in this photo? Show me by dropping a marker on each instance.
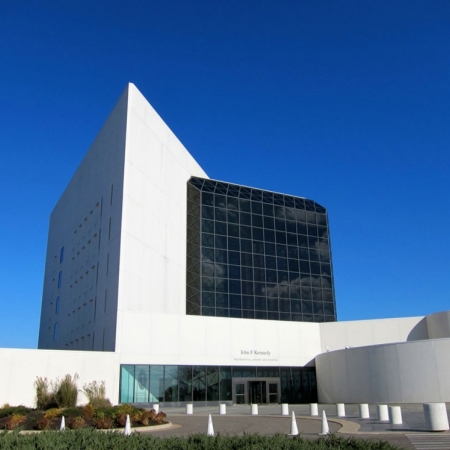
(176, 288)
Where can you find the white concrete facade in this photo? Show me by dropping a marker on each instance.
(116, 293)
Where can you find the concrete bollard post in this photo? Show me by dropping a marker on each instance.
(382, 413)
(223, 408)
(254, 409)
(395, 415)
(340, 409)
(189, 408)
(436, 416)
(284, 409)
(313, 409)
(155, 407)
(364, 411)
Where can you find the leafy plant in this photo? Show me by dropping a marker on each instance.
(44, 397)
(65, 391)
(14, 421)
(76, 422)
(10, 410)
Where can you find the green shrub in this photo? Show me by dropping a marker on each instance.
(10, 410)
(65, 391)
(75, 423)
(14, 421)
(45, 399)
(72, 412)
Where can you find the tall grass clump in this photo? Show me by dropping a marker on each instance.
(65, 391)
(45, 398)
(96, 394)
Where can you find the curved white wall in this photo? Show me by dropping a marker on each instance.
(407, 372)
(438, 325)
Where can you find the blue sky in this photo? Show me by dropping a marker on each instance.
(343, 102)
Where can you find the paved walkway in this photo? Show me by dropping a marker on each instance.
(412, 434)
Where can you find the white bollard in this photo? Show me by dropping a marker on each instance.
(189, 408)
(382, 413)
(210, 431)
(284, 409)
(62, 427)
(340, 409)
(325, 427)
(395, 415)
(294, 428)
(364, 411)
(436, 416)
(222, 408)
(313, 409)
(254, 409)
(127, 430)
(155, 407)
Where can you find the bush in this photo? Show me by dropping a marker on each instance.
(66, 391)
(75, 423)
(45, 399)
(88, 411)
(73, 412)
(102, 420)
(14, 421)
(52, 413)
(10, 410)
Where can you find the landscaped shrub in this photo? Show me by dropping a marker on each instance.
(73, 412)
(52, 412)
(14, 421)
(45, 399)
(10, 410)
(43, 423)
(96, 394)
(65, 391)
(102, 420)
(88, 411)
(76, 422)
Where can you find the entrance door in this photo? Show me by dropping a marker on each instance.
(257, 392)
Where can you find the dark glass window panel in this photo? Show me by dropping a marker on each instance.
(198, 383)
(280, 225)
(247, 287)
(268, 210)
(220, 214)
(221, 228)
(257, 208)
(171, 383)
(184, 383)
(209, 185)
(297, 318)
(267, 197)
(247, 273)
(317, 294)
(291, 214)
(309, 205)
(273, 315)
(248, 302)
(222, 300)
(208, 283)
(312, 230)
(248, 314)
(247, 259)
(222, 312)
(294, 291)
(246, 232)
(285, 305)
(272, 304)
(269, 248)
(259, 274)
(285, 316)
(293, 265)
(235, 301)
(234, 258)
(208, 199)
(244, 205)
(327, 295)
(220, 201)
(279, 212)
(281, 250)
(326, 282)
(246, 245)
(235, 287)
(301, 228)
(293, 252)
(258, 260)
(208, 311)
(278, 199)
(221, 256)
(307, 307)
(281, 237)
(321, 219)
(328, 309)
(221, 242)
(306, 293)
(291, 239)
(222, 285)
(304, 266)
(237, 313)
(257, 221)
(308, 318)
(282, 264)
(269, 222)
(262, 315)
(296, 306)
(259, 288)
(291, 227)
(233, 230)
(233, 190)
(269, 235)
(282, 276)
(320, 209)
(300, 215)
(207, 226)
(322, 232)
(208, 269)
(233, 244)
(271, 276)
(258, 247)
(208, 299)
(234, 272)
(256, 195)
(271, 262)
(208, 240)
(325, 256)
(260, 303)
(245, 218)
(303, 253)
(232, 203)
(233, 216)
(315, 268)
(313, 254)
(283, 290)
(207, 212)
(329, 318)
(207, 254)
(311, 216)
(318, 318)
(212, 382)
(221, 270)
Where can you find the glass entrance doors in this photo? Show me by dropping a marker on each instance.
(256, 390)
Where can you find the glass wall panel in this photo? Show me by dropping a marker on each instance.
(185, 383)
(171, 384)
(156, 384)
(127, 384)
(225, 383)
(285, 384)
(198, 383)
(212, 382)
(142, 384)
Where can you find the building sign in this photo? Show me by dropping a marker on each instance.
(255, 355)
